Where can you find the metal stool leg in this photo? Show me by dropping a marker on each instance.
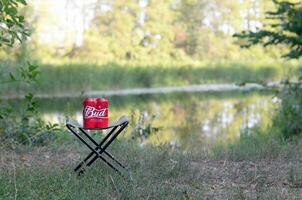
(102, 149)
(98, 145)
(98, 155)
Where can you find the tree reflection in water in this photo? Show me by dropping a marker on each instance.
(182, 119)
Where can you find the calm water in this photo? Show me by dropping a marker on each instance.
(181, 119)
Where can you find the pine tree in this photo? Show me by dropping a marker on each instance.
(285, 28)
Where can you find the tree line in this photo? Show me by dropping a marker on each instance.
(155, 30)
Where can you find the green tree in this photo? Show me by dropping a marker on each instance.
(208, 26)
(191, 17)
(132, 30)
(158, 30)
(112, 33)
(285, 28)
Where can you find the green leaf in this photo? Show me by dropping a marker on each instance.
(5, 2)
(32, 67)
(29, 96)
(5, 40)
(22, 1)
(35, 74)
(9, 110)
(31, 108)
(12, 77)
(12, 11)
(21, 19)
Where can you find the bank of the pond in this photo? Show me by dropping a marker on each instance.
(159, 90)
(158, 173)
(80, 78)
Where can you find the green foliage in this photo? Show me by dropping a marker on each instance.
(284, 28)
(289, 116)
(29, 74)
(57, 79)
(12, 23)
(150, 39)
(25, 127)
(149, 31)
(143, 126)
(20, 127)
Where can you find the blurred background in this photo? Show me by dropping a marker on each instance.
(168, 32)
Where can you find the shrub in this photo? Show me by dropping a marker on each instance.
(24, 126)
(288, 120)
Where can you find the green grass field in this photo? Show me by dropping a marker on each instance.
(260, 171)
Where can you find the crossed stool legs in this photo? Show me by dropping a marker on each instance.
(98, 149)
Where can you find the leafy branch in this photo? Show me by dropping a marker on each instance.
(286, 29)
(11, 23)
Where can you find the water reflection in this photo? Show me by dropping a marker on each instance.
(182, 119)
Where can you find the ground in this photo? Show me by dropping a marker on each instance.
(158, 173)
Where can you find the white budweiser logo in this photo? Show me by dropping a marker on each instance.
(91, 112)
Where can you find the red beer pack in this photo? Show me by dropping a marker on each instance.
(95, 113)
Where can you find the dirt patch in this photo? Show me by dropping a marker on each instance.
(246, 179)
(39, 157)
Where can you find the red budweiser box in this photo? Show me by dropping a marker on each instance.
(95, 113)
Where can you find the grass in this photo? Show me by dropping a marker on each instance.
(255, 146)
(72, 78)
(158, 172)
(254, 167)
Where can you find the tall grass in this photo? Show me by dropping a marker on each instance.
(83, 77)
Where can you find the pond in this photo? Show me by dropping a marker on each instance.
(179, 119)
